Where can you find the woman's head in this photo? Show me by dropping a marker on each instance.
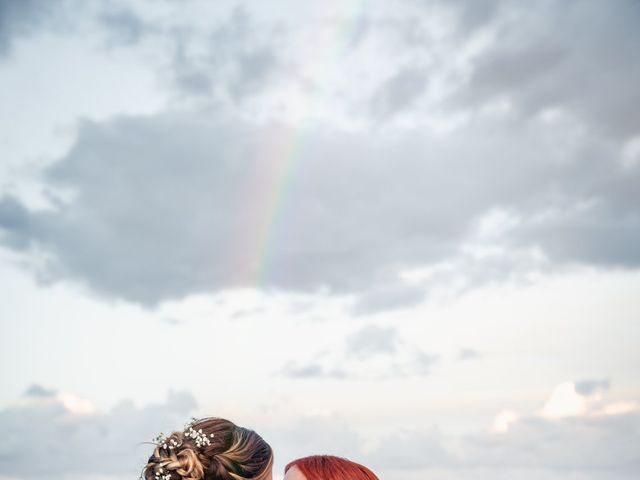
(210, 449)
(327, 467)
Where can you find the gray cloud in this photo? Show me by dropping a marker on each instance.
(412, 450)
(468, 354)
(585, 448)
(315, 435)
(173, 204)
(359, 353)
(390, 296)
(588, 448)
(123, 26)
(398, 92)
(177, 203)
(312, 370)
(424, 362)
(15, 222)
(42, 438)
(248, 312)
(581, 58)
(473, 15)
(372, 340)
(36, 390)
(589, 387)
(22, 18)
(234, 60)
(418, 363)
(600, 443)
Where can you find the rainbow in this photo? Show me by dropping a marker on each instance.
(278, 161)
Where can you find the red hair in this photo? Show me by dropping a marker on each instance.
(327, 467)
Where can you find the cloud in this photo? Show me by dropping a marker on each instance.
(179, 203)
(315, 434)
(123, 26)
(312, 370)
(45, 435)
(372, 352)
(372, 340)
(541, 54)
(587, 445)
(15, 223)
(412, 449)
(423, 362)
(411, 363)
(595, 443)
(468, 354)
(229, 59)
(473, 15)
(233, 60)
(388, 296)
(189, 201)
(19, 19)
(591, 387)
(565, 401)
(36, 390)
(398, 91)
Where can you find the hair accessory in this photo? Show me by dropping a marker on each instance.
(197, 435)
(169, 443)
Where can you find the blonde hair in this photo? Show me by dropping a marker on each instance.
(234, 453)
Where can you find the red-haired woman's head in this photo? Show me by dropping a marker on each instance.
(327, 467)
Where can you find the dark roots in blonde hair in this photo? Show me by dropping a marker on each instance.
(234, 453)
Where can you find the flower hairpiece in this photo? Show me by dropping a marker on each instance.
(168, 443)
(197, 435)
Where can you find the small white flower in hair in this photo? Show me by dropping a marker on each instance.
(199, 436)
(201, 439)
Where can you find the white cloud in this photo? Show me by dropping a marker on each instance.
(565, 402)
(504, 420)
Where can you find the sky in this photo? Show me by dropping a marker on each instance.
(403, 232)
